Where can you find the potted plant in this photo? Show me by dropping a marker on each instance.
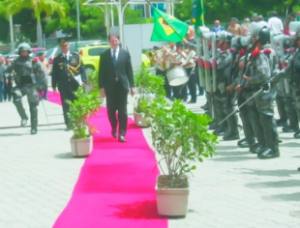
(85, 104)
(182, 140)
(149, 87)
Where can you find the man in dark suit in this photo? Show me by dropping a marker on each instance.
(115, 81)
(67, 74)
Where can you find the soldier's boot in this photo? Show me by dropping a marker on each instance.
(243, 143)
(297, 135)
(33, 118)
(272, 150)
(269, 153)
(233, 132)
(21, 111)
(255, 148)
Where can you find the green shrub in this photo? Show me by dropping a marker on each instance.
(181, 137)
(85, 104)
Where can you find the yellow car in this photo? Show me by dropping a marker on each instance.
(90, 57)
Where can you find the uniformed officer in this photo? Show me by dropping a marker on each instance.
(293, 71)
(27, 74)
(67, 75)
(258, 78)
(224, 94)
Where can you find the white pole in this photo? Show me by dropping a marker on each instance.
(120, 17)
(112, 17)
(11, 30)
(78, 19)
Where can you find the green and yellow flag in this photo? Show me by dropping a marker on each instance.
(197, 13)
(167, 28)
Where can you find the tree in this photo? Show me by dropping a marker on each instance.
(39, 7)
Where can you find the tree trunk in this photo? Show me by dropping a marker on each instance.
(39, 32)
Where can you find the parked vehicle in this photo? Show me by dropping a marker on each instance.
(90, 57)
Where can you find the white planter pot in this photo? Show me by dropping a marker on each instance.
(140, 120)
(81, 147)
(172, 201)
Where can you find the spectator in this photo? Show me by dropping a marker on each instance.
(275, 24)
(2, 77)
(217, 26)
(245, 27)
(8, 83)
(234, 27)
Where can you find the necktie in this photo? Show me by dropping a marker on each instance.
(114, 56)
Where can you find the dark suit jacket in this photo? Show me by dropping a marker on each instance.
(121, 71)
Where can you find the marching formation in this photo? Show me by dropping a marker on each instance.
(245, 74)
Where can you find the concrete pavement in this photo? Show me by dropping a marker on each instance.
(232, 190)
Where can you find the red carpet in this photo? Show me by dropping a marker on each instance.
(115, 188)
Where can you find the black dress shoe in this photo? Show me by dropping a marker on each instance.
(281, 122)
(297, 135)
(114, 134)
(33, 131)
(23, 122)
(253, 148)
(267, 154)
(287, 129)
(122, 138)
(243, 143)
(259, 149)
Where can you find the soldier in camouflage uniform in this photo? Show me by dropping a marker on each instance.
(27, 74)
(293, 72)
(240, 65)
(285, 90)
(224, 99)
(261, 108)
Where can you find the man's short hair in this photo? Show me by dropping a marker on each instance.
(114, 32)
(62, 41)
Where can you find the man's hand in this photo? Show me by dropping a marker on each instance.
(230, 88)
(132, 91)
(247, 78)
(238, 88)
(102, 93)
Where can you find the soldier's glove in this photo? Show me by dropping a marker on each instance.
(266, 87)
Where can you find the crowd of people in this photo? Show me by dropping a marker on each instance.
(246, 69)
(5, 81)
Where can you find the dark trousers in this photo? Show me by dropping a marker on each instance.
(1, 91)
(245, 116)
(192, 83)
(33, 101)
(66, 95)
(116, 102)
(281, 108)
(7, 93)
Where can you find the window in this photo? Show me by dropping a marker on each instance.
(96, 51)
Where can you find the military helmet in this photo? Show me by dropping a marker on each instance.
(245, 41)
(264, 36)
(236, 42)
(24, 47)
(224, 36)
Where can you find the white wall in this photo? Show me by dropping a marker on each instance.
(137, 37)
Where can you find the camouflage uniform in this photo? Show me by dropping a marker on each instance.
(294, 71)
(224, 97)
(27, 74)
